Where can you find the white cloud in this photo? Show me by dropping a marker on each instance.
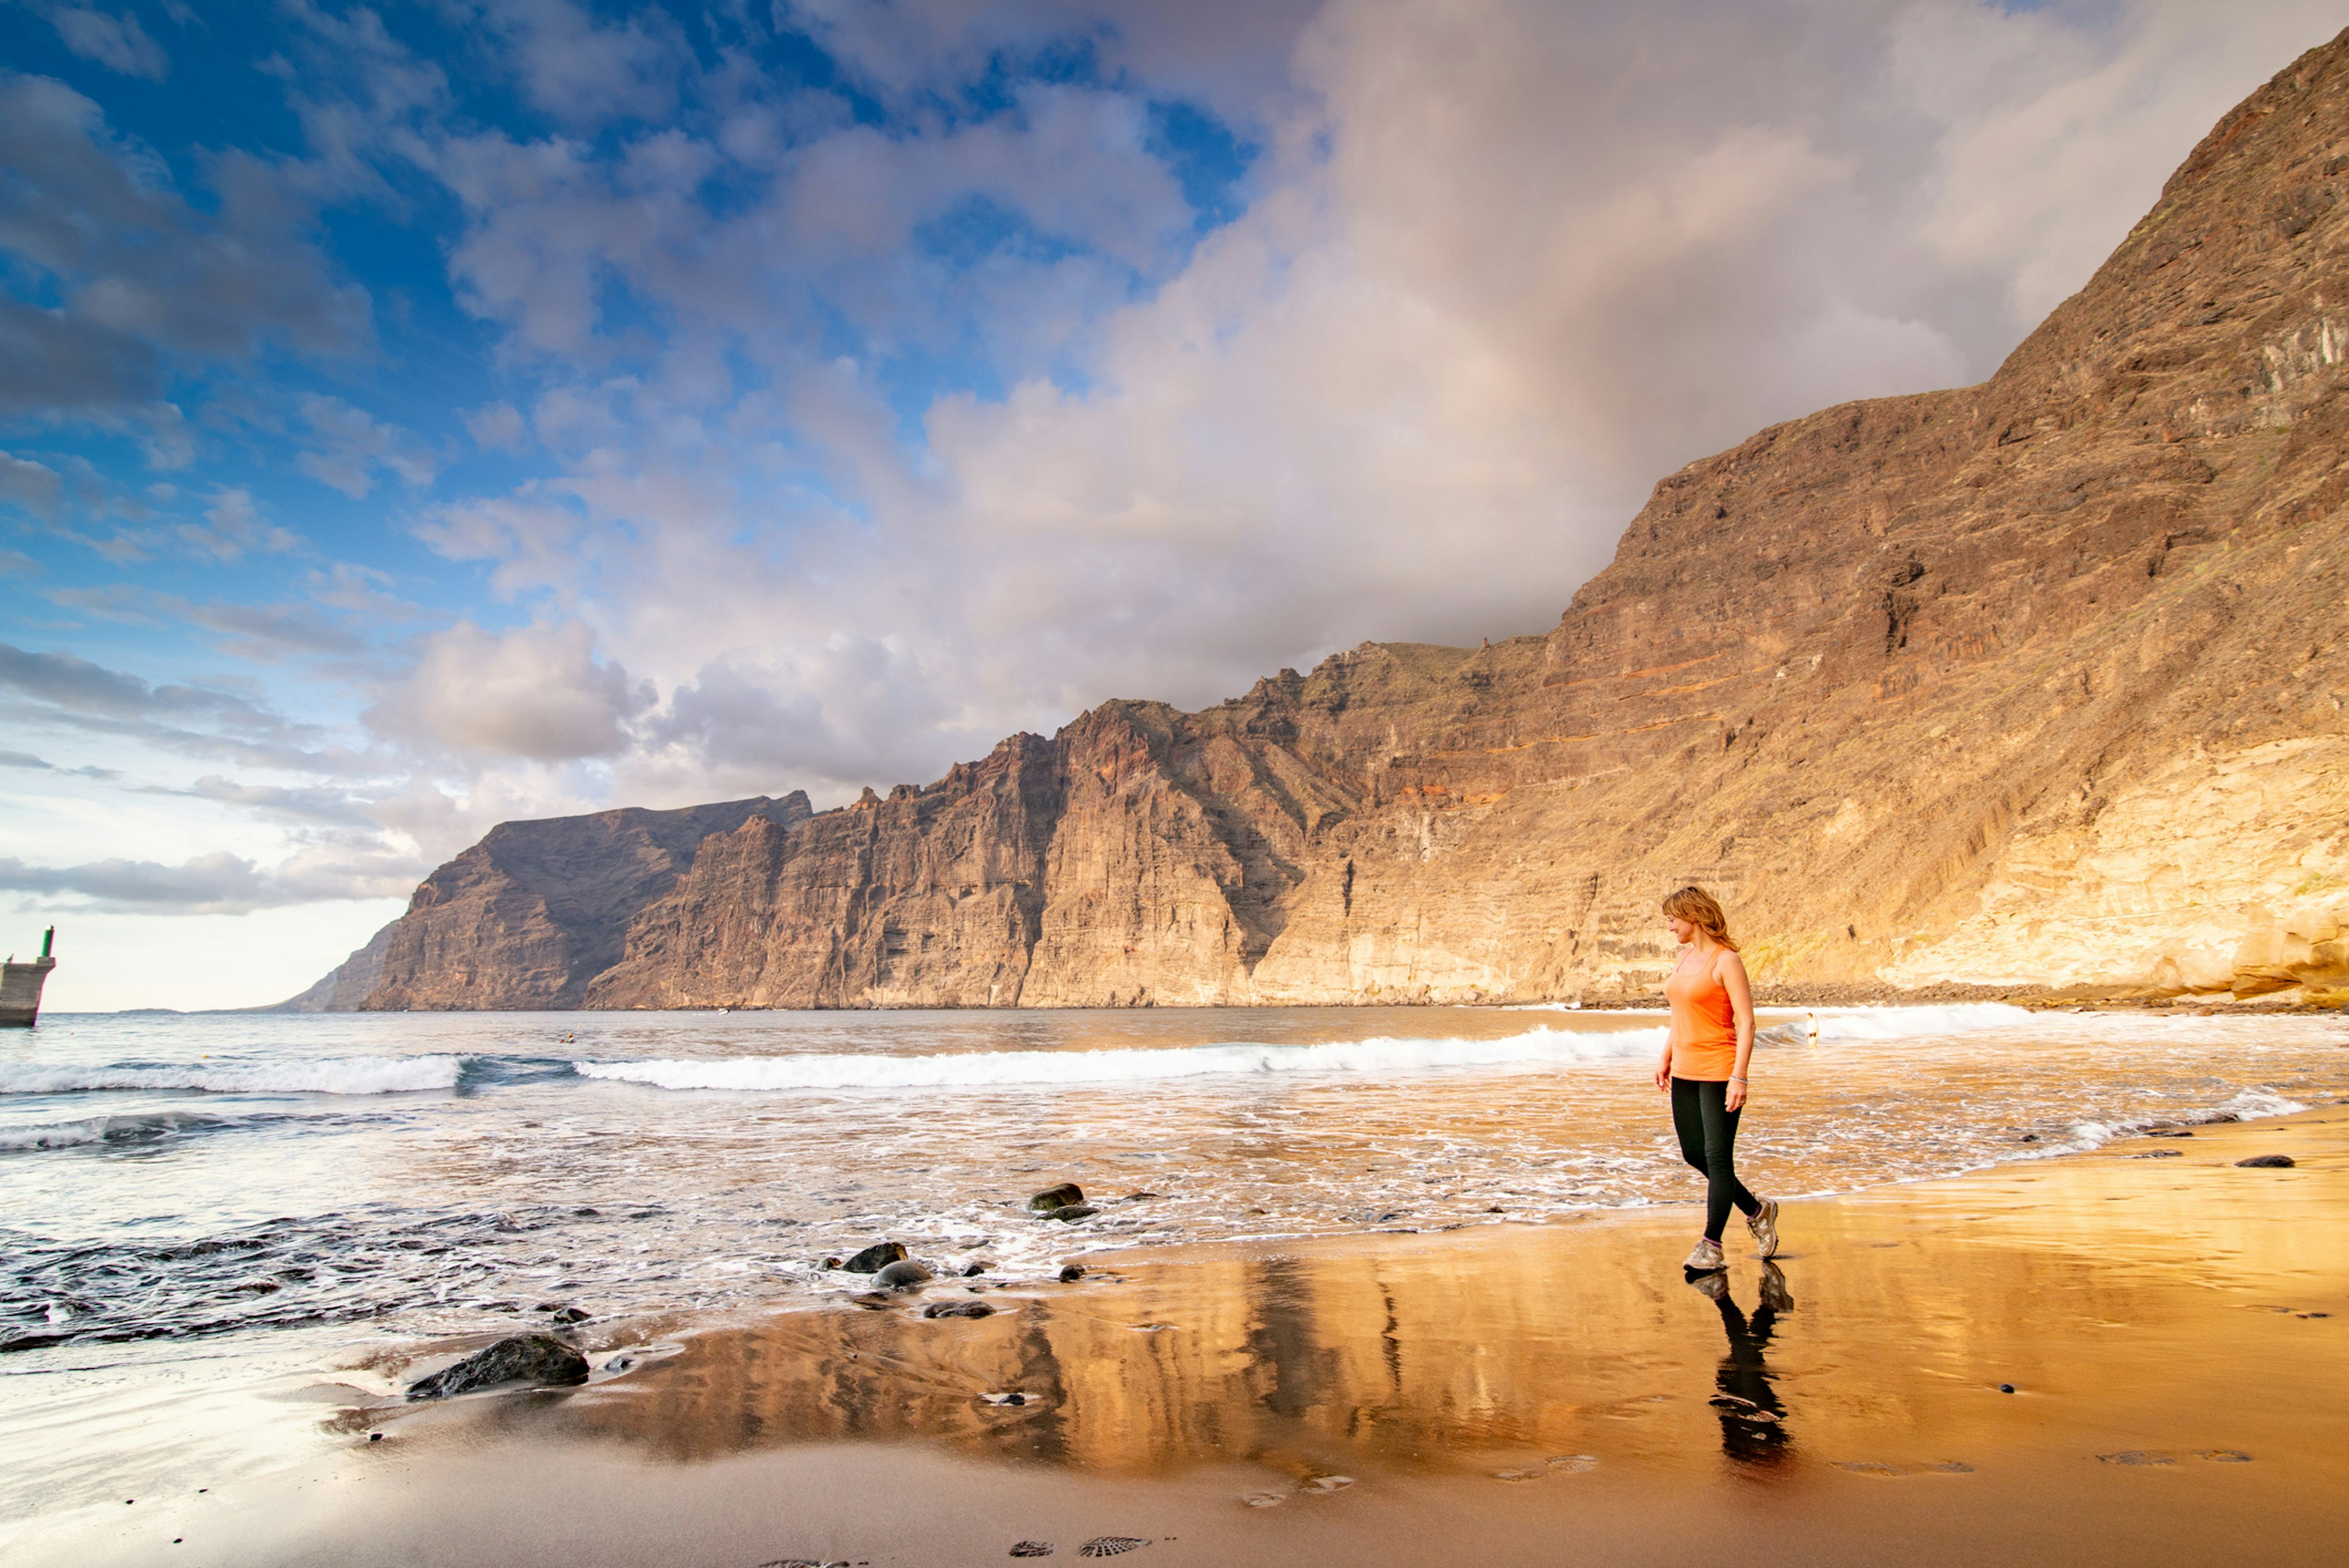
(352, 447)
(117, 43)
(536, 691)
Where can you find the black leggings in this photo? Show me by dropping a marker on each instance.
(1708, 1130)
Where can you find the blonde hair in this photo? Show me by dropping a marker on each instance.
(1700, 909)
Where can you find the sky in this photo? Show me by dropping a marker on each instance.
(421, 415)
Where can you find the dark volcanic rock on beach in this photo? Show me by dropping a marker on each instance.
(1067, 1195)
(902, 1274)
(2039, 684)
(527, 1358)
(875, 1258)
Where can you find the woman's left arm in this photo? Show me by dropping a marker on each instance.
(1741, 1002)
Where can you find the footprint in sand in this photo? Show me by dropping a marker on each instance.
(2164, 1456)
(1264, 1498)
(1893, 1473)
(1111, 1546)
(1572, 1464)
(1032, 1549)
(1328, 1483)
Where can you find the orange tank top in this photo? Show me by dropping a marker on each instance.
(1704, 1024)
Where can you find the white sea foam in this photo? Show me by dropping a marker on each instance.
(1910, 1023)
(999, 1069)
(333, 1076)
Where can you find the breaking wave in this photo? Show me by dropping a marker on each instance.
(999, 1069)
(334, 1076)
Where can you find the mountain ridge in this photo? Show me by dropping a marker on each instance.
(2032, 685)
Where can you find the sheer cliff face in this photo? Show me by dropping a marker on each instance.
(2038, 684)
(535, 911)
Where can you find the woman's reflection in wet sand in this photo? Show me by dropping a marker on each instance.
(1752, 1421)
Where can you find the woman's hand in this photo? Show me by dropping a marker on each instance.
(1664, 1075)
(1736, 1094)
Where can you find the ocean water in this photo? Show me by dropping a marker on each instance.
(173, 1183)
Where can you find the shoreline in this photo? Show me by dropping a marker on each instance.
(2091, 999)
(1522, 1390)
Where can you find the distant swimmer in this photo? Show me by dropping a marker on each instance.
(1706, 1054)
(1811, 1027)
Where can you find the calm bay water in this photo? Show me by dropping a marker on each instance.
(167, 1182)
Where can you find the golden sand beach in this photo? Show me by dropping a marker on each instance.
(2174, 1329)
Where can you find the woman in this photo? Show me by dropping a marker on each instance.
(1703, 1069)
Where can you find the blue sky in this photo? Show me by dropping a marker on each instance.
(420, 415)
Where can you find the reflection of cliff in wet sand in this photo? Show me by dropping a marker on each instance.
(20, 985)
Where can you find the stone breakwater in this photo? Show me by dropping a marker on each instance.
(2035, 685)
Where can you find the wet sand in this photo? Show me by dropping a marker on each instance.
(2174, 1329)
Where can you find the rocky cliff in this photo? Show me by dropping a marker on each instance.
(2033, 685)
(532, 914)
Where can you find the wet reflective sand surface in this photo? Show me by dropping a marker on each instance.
(2175, 1332)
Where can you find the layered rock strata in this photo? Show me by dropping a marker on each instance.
(2035, 685)
(531, 915)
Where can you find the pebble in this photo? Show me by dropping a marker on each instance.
(1067, 1195)
(1071, 1273)
(902, 1274)
(2267, 1162)
(2006, 1387)
(957, 1309)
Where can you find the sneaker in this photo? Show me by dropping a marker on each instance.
(1764, 1223)
(1714, 1285)
(1775, 1293)
(1706, 1259)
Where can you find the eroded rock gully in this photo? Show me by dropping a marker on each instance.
(2038, 684)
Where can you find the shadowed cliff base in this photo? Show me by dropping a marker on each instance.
(2038, 687)
(2105, 1359)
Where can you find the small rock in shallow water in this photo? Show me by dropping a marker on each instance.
(875, 1258)
(1070, 1211)
(973, 1271)
(957, 1309)
(2267, 1162)
(571, 1315)
(2031, 1137)
(2006, 1387)
(1071, 1273)
(1067, 1195)
(532, 1358)
(902, 1274)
